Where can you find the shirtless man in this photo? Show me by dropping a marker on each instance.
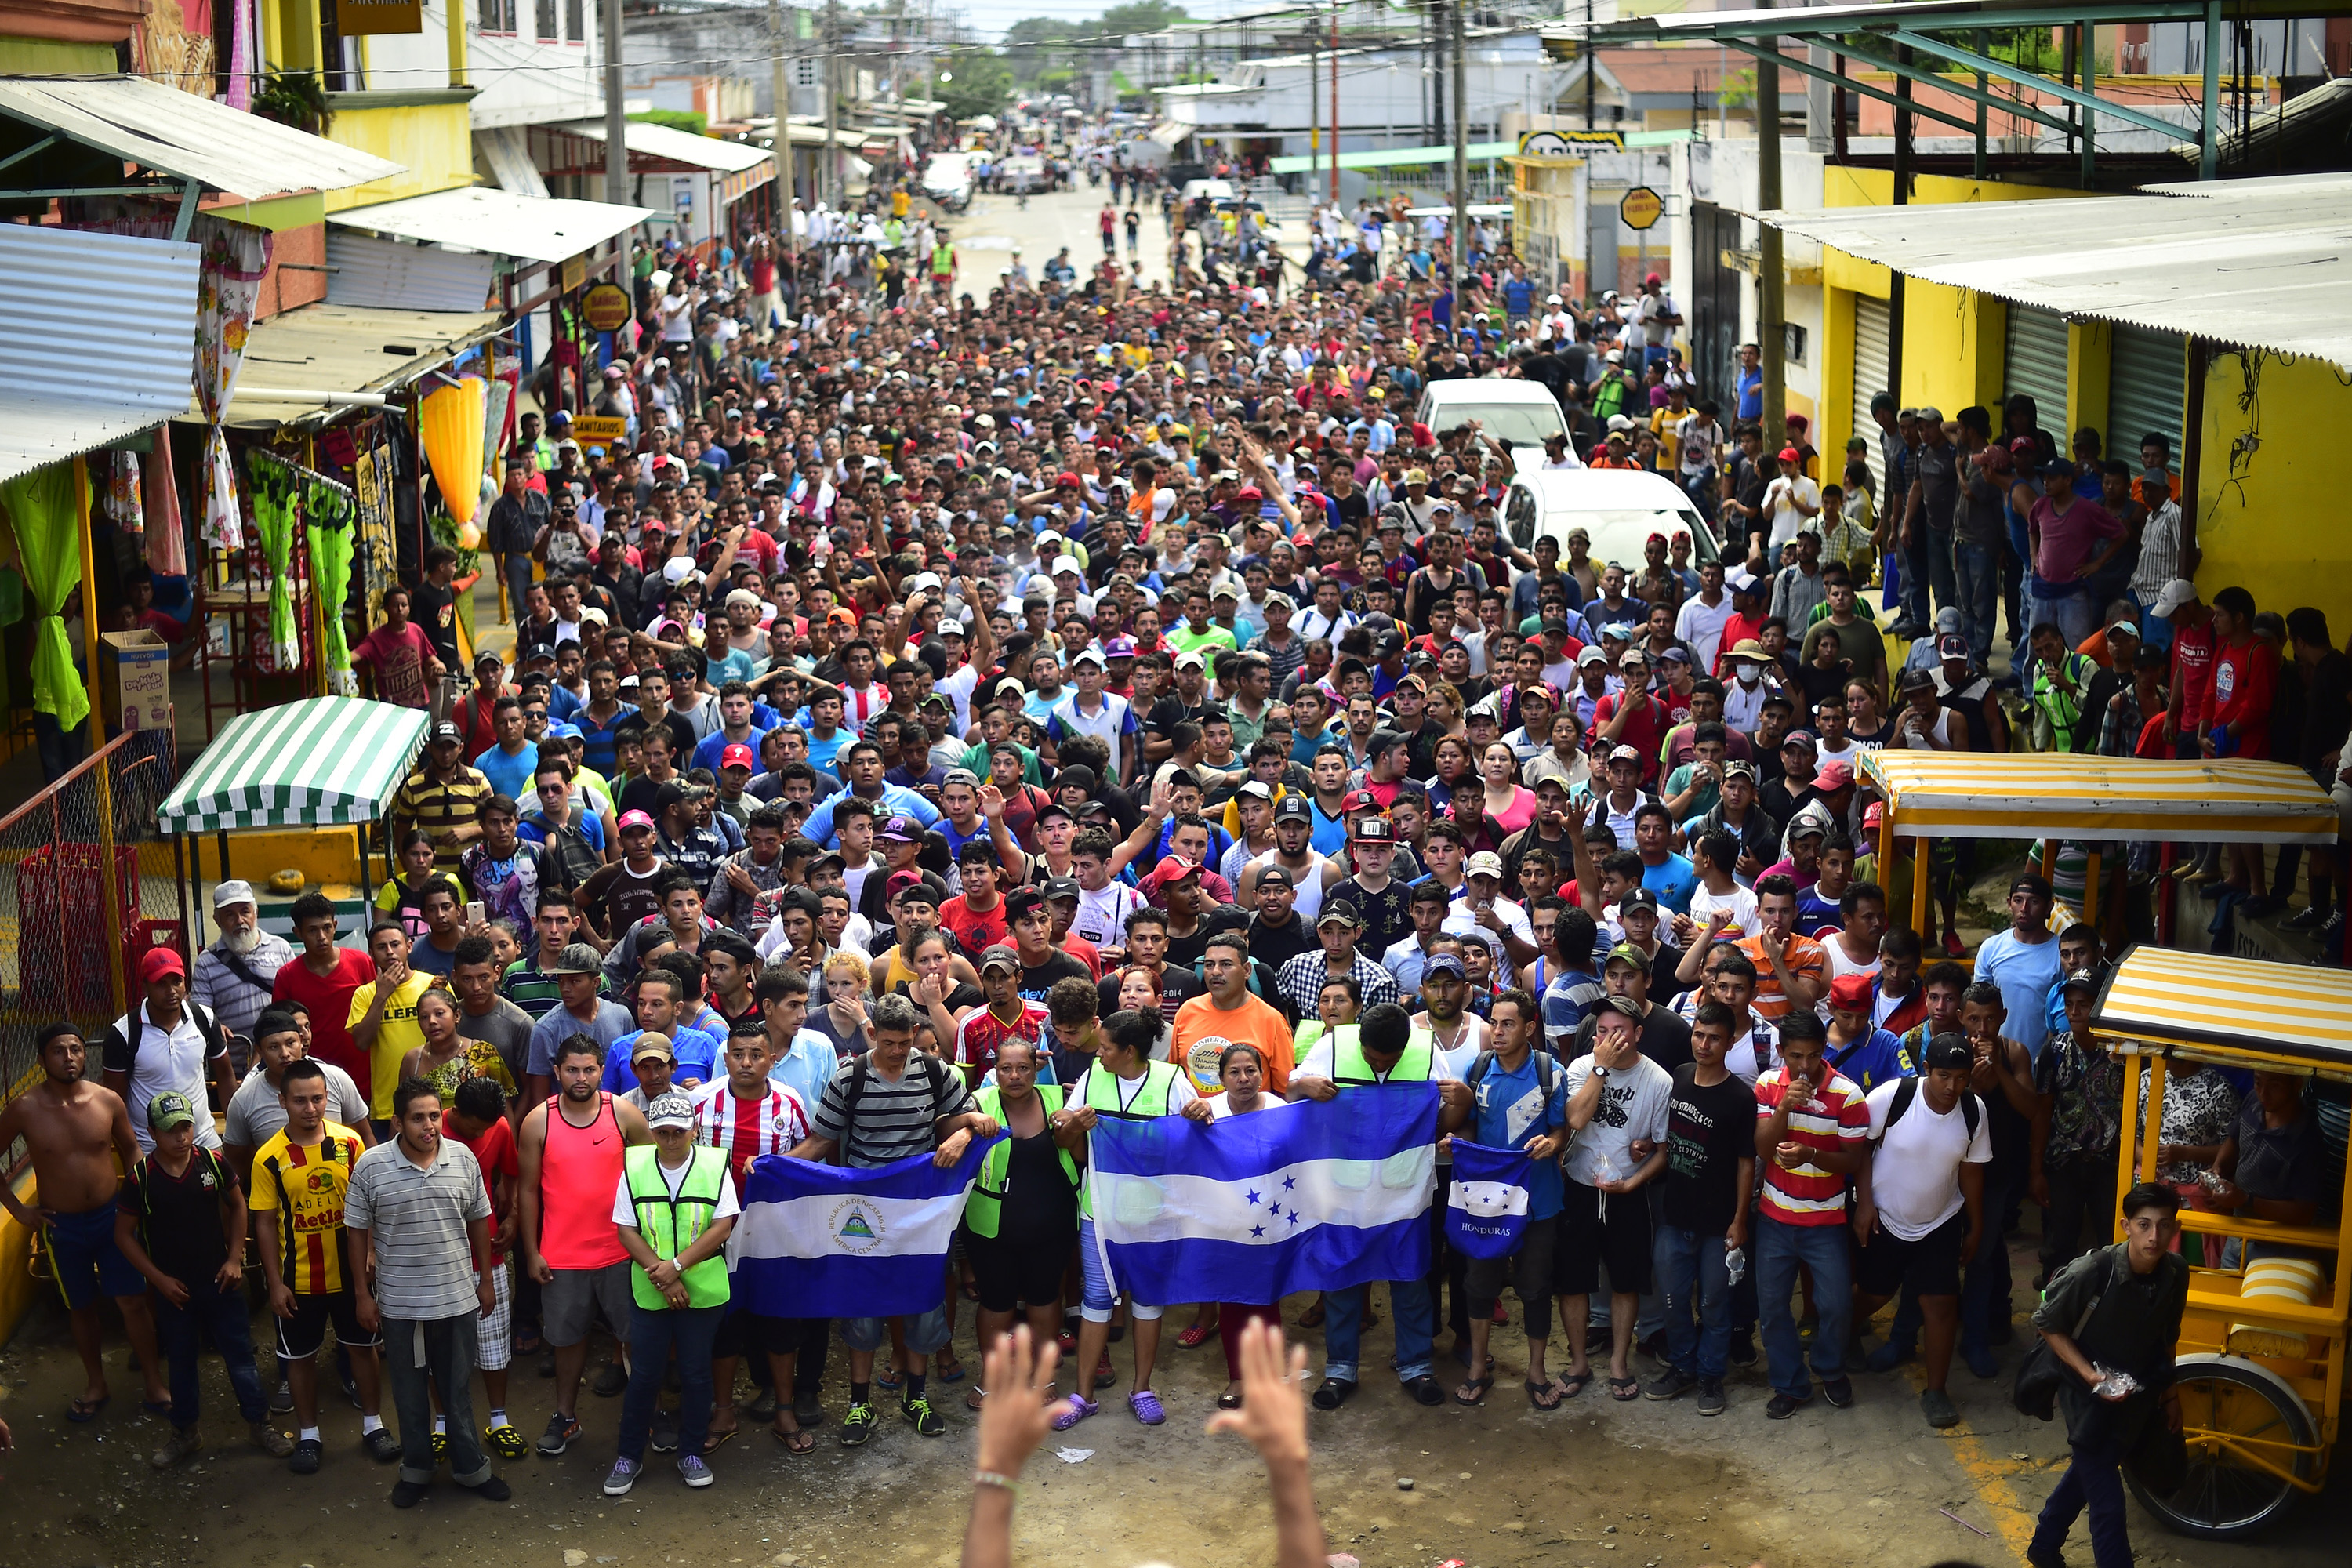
(75, 1129)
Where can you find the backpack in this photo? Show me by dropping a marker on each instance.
(1484, 1063)
(1907, 1090)
(860, 1075)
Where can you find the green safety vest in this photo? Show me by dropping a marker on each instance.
(1102, 1093)
(1349, 1065)
(985, 1207)
(671, 1224)
(942, 260)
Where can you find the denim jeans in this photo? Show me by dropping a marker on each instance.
(2077, 615)
(1916, 574)
(688, 1330)
(1343, 1329)
(180, 1331)
(1692, 1276)
(2094, 1481)
(1985, 1285)
(1940, 578)
(1825, 1249)
(420, 1357)
(514, 571)
(1976, 572)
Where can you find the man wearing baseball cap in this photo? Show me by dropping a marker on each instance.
(444, 797)
(167, 1042)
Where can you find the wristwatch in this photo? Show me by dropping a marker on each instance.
(1601, 1072)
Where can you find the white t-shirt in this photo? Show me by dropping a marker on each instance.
(1633, 1105)
(1701, 626)
(1740, 901)
(1219, 1107)
(1914, 1175)
(624, 1208)
(1781, 499)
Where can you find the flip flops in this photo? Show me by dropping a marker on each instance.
(1536, 1392)
(1473, 1390)
(797, 1441)
(1574, 1383)
(83, 1409)
(1625, 1388)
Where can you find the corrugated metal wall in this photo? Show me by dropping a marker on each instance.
(2147, 372)
(406, 276)
(2036, 365)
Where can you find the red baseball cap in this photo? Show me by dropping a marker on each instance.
(1175, 868)
(1850, 993)
(158, 962)
(1359, 800)
(738, 755)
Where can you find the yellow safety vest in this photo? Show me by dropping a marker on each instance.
(671, 1225)
(1349, 1065)
(1150, 1102)
(983, 1211)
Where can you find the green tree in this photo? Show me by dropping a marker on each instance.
(974, 83)
(1139, 17)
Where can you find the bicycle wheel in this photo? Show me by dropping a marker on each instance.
(2233, 1409)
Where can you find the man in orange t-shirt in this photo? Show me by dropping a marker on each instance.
(1230, 1013)
(1790, 969)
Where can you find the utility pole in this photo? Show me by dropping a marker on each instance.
(832, 75)
(1315, 114)
(1591, 64)
(1335, 102)
(1772, 334)
(1437, 76)
(781, 146)
(1461, 165)
(616, 120)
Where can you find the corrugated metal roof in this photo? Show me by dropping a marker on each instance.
(389, 274)
(162, 128)
(480, 218)
(2265, 263)
(346, 348)
(678, 146)
(506, 150)
(117, 364)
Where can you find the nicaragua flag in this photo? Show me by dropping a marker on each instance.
(1486, 1207)
(1316, 1195)
(825, 1241)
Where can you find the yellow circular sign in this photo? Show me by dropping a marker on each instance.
(1641, 208)
(605, 307)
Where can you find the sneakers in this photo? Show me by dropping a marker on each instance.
(1781, 1406)
(621, 1478)
(1938, 1407)
(562, 1431)
(1838, 1391)
(304, 1460)
(1081, 1409)
(663, 1432)
(282, 1402)
(1710, 1396)
(495, 1489)
(440, 1447)
(807, 1410)
(1981, 1361)
(919, 1415)
(504, 1441)
(271, 1441)
(693, 1471)
(407, 1493)
(1743, 1349)
(380, 1444)
(857, 1426)
(1671, 1383)
(176, 1448)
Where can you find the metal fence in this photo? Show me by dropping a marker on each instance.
(86, 885)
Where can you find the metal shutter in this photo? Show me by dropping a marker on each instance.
(2036, 366)
(1872, 328)
(2145, 391)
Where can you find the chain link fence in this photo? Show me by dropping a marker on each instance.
(86, 885)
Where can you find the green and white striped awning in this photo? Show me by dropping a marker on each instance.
(324, 762)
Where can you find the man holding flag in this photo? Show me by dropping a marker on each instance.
(1385, 1050)
(1519, 1102)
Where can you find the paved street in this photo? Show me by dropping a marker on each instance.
(986, 234)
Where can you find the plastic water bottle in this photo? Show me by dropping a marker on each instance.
(1602, 1171)
(1735, 1261)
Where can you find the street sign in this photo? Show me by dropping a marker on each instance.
(575, 273)
(1641, 207)
(605, 307)
(378, 18)
(1569, 143)
(593, 432)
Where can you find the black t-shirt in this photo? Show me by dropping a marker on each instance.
(1708, 1132)
(434, 609)
(180, 1217)
(1178, 985)
(1036, 982)
(1275, 946)
(1184, 952)
(1387, 914)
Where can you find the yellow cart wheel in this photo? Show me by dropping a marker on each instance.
(2249, 1441)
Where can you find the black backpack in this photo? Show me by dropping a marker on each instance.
(1484, 1063)
(1907, 1090)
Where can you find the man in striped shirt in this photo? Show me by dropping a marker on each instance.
(1812, 1131)
(745, 1115)
(444, 797)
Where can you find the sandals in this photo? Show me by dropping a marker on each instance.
(83, 1409)
(1536, 1392)
(715, 1439)
(950, 1369)
(1229, 1402)
(796, 1441)
(1195, 1336)
(975, 1397)
(1625, 1388)
(1474, 1390)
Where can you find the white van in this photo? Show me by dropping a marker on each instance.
(1520, 414)
(947, 180)
(1618, 509)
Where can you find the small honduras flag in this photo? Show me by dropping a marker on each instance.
(1486, 1207)
(825, 1241)
(1318, 1195)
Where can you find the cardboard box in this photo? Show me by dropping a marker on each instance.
(138, 681)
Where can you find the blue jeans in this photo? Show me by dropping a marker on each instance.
(1825, 1249)
(1940, 578)
(2077, 615)
(1916, 576)
(420, 1357)
(1692, 1275)
(1343, 1329)
(689, 1331)
(1985, 1284)
(2094, 1481)
(1975, 574)
(180, 1333)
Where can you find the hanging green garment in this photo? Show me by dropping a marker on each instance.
(273, 514)
(41, 506)
(328, 515)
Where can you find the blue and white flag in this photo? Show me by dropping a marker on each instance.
(825, 1241)
(1486, 1207)
(1318, 1195)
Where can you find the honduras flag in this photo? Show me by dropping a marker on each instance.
(825, 1241)
(1317, 1195)
(1486, 1207)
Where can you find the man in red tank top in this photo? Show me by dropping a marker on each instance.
(571, 1152)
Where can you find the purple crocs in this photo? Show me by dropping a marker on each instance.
(1146, 1406)
(1081, 1409)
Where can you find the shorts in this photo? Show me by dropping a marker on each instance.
(1528, 1270)
(1010, 1273)
(1098, 1298)
(84, 1260)
(304, 1334)
(742, 1333)
(1930, 1266)
(494, 1335)
(568, 1303)
(1598, 1229)
(925, 1332)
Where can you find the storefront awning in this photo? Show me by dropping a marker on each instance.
(324, 762)
(299, 365)
(116, 363)
(169, 131)
(682, 148)
(1393, 158)
(1168, 132)
(480, 217)
(2157, 997)
(2265, 263)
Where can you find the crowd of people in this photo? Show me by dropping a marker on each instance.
(969, 717)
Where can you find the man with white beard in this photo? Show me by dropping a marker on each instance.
(234, 975)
